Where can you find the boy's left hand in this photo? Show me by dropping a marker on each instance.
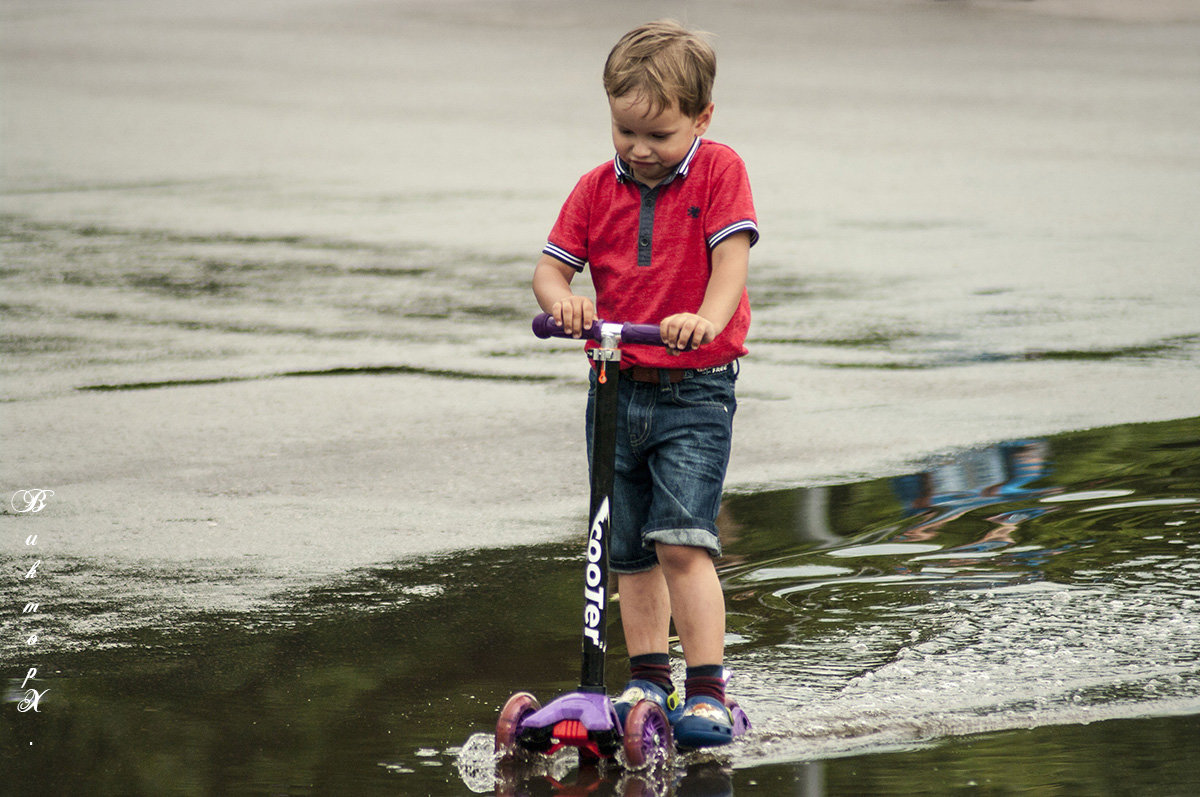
(685, 331)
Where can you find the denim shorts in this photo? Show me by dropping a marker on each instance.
(673, 443)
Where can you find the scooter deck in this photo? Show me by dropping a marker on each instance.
(585, 720)
(588, 721)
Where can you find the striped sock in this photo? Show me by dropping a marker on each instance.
(652, 667)
(707, 680)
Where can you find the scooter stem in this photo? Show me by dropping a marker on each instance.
(607, 358)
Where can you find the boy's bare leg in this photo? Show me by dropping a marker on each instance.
(696, 602)
(645, 611)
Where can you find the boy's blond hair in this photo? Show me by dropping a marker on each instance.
(667, 64)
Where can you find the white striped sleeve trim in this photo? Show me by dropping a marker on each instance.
(745, 225)
(558, 253)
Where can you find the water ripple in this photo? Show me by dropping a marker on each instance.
(1000, 594)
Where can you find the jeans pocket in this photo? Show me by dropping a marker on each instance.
(707, 390)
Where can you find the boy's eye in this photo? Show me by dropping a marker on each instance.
(655, 136)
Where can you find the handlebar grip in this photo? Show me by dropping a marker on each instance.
(644, 334)
(544, 326)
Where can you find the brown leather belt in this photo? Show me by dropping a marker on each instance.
(639, 373)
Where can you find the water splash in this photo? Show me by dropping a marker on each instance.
(1027, 601)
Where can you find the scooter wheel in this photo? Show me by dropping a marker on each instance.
(518, 707)
(647, 731)
(741, 721)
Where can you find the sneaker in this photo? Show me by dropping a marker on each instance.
(705, 723)
(639, 690)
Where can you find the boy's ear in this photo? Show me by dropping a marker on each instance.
(703, 120)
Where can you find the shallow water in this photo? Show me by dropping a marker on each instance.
(265, 323)
(1021, 617)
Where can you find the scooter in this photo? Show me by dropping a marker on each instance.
(586, 719)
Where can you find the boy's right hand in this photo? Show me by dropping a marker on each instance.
(574, 314)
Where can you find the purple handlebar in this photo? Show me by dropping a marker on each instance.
(645, 334)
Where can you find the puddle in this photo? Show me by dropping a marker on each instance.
(1003, 620)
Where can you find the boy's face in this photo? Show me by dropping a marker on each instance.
(653, 143)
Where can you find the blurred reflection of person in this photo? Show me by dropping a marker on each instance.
(971, 481)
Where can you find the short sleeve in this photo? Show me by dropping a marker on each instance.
(568, 239)
(731, 205)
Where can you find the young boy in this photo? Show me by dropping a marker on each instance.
(667, 228)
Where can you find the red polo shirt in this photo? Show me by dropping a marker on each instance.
(650, 249)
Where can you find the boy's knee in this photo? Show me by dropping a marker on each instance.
(682, 558)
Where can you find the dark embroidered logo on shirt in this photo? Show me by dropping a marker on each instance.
(694, 212)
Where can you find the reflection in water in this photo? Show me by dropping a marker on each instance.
(1002, 588)
(691, 779)
(989, 597)
(970, 482)
(892, 636)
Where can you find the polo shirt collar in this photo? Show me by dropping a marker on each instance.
(624, 173)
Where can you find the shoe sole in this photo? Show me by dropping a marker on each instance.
(708, 734)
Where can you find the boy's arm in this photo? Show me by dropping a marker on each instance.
(552, 287)
(726, 284)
